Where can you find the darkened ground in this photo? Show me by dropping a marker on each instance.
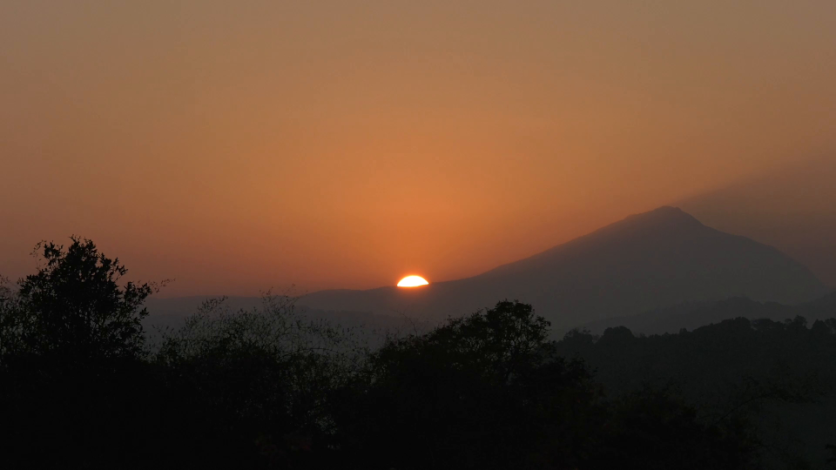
(269, 388)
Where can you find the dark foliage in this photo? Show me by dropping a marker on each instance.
(71, 353)
(251, 385)
(74, 306)
(488, 391)
(777, 376)
(655, 429)
(478, 392)
(269, 388)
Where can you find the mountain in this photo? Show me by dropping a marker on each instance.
(792, 208)
(647, 261)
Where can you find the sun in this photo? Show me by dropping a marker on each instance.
(413, 281)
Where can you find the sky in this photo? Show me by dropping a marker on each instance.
(241, 146)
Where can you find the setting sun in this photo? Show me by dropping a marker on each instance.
(413, 281)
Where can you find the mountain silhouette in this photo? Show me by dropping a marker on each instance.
(792, 208)
(648, 261)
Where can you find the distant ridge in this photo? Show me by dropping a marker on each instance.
(693, 315)
(647, 261)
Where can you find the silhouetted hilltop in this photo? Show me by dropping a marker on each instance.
(653, 260)
(725, 365)
(693, 315)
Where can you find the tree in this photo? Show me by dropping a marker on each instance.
(11, 322)
(489, 391)
(74, 385)
(478, 392)
(654, 428)
(249, 385)
(75, 306)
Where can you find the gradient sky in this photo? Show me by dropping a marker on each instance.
(238, 146)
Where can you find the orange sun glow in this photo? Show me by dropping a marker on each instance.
(413, 281)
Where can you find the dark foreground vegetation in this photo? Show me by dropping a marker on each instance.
(81, 388)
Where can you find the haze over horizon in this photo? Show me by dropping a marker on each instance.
(241, 147)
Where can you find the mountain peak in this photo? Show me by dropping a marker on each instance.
(665, 214)
(666, 222)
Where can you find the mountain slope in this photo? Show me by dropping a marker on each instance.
(647, 261)
(793, 209)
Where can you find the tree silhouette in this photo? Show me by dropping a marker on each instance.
(477, 392)
(75, 385)
(654, 428)
(762, 377)
(247, 379)
(75, 305)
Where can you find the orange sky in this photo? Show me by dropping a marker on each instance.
(236, 146)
